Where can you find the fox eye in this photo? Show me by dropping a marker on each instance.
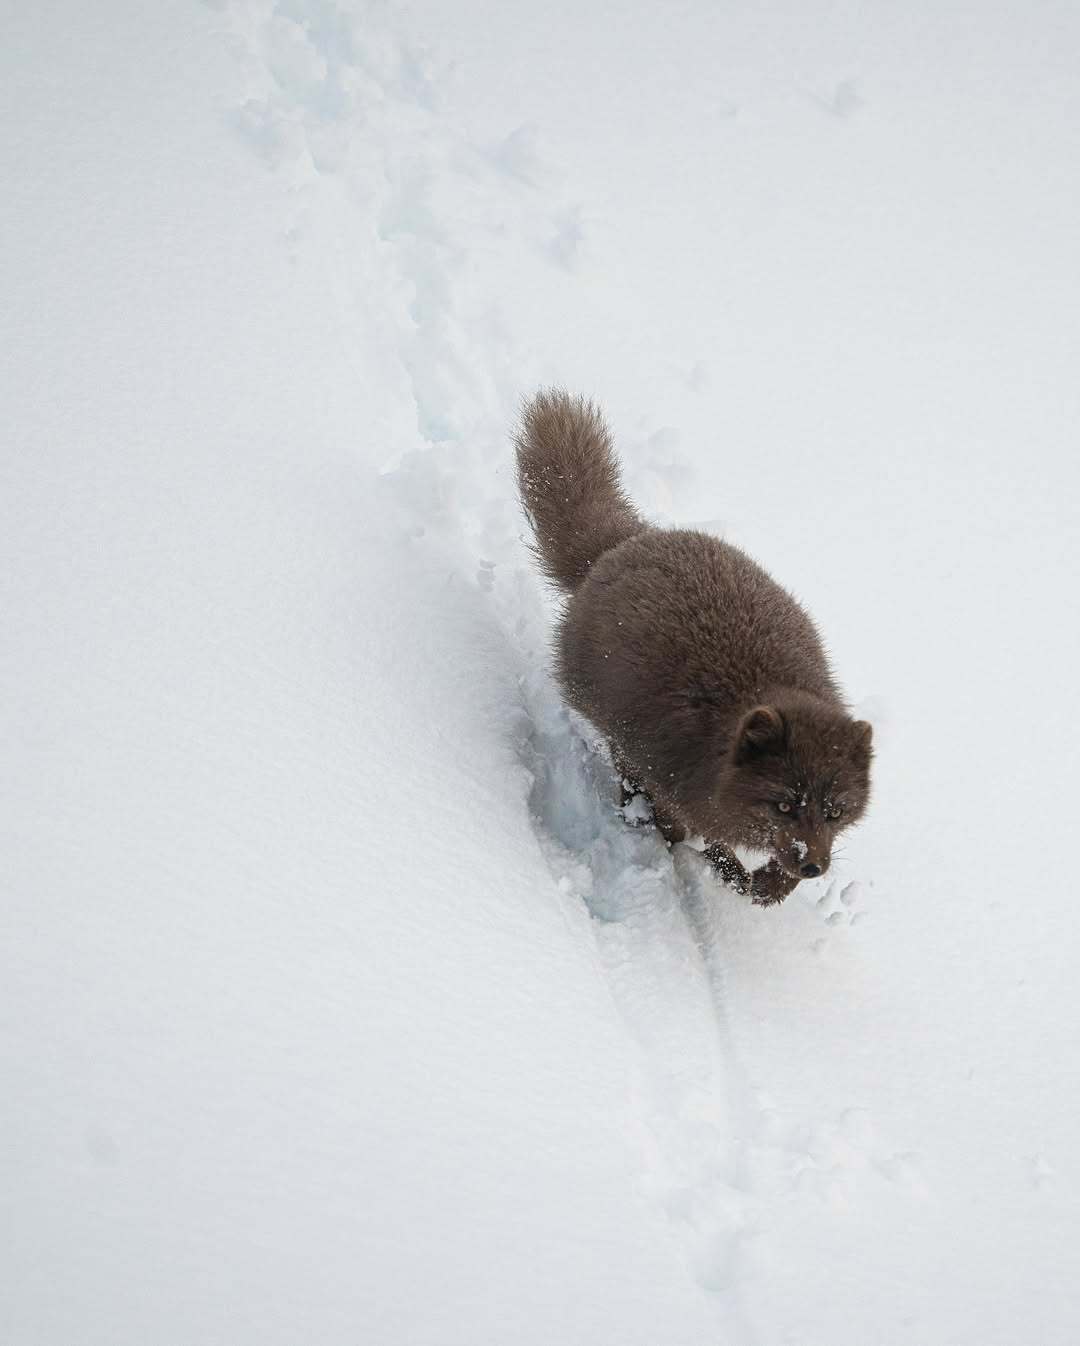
(834, 812)
(783, 805)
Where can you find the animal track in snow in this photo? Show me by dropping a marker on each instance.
(839, 901)
(850, 893)
(648, 950)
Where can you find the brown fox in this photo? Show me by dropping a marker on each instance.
(708, 679)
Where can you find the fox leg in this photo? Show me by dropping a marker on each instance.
(771, 884)
(767, 885)
(729, 869)
(670, 830)
(629, 778)
(630, 786)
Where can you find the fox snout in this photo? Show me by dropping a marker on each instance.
(805, 857)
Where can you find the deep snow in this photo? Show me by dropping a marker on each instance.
(339, 1002)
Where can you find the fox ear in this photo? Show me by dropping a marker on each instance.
(761, 731)
(862, 742)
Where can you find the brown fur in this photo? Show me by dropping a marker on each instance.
(708, 679)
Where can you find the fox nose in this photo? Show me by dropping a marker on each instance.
(810, 871)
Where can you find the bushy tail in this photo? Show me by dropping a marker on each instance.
(570, 486)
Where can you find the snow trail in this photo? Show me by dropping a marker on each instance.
(345, 110)
(310, 88)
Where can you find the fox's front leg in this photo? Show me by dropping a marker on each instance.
(767, 885)
(728, 867)
(771, 884)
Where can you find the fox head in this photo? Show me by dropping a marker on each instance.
(797, 772)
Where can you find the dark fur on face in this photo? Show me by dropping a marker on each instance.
(708, 679)
(797, 775)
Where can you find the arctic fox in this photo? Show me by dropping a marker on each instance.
(708, 679)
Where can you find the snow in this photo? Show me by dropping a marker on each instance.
(340, 1003)
(750, 858)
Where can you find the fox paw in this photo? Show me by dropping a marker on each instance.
(769, 885)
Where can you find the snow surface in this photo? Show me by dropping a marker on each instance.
(339, 1002)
